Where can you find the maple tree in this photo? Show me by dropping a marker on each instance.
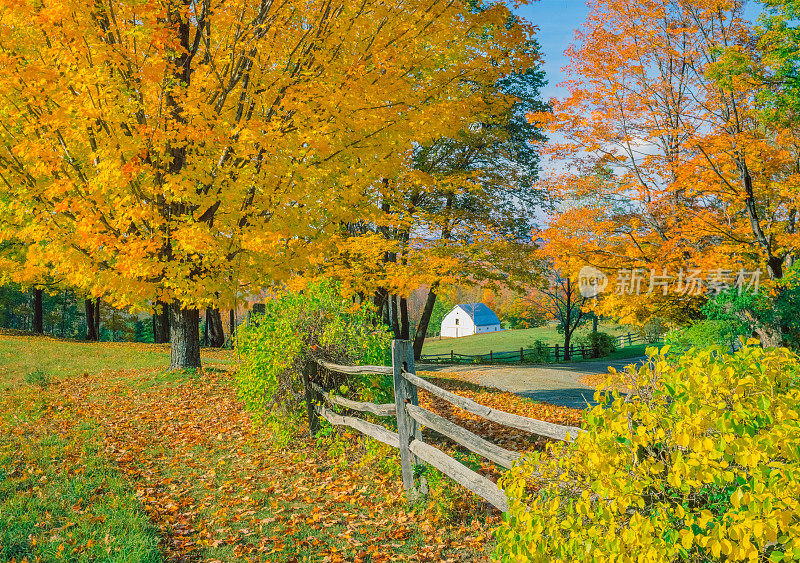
(461, 208)
(191, 153)
(697, 180)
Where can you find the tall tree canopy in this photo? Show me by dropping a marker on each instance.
(462, 208)
(191, 151)
(699, 181)
(779, 43)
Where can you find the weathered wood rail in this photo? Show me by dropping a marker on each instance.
(410, 417)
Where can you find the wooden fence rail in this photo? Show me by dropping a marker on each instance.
(410, 417)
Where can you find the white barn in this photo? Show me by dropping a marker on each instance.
(469, 318)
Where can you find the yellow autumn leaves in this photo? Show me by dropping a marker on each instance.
(144, 147)
(701, 462)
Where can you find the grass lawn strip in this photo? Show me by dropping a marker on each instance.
(60, 497)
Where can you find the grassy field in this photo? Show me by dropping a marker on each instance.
(508, 340)
(26, 357)
(105, 456)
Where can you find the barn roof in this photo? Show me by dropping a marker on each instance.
(480, 314)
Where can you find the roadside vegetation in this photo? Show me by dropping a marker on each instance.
(699, 462)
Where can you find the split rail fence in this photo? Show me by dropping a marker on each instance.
(411, 417)
(555, 353)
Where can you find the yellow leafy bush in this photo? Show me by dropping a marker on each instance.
(701, 462)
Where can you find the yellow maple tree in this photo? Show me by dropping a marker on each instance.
(193, 152)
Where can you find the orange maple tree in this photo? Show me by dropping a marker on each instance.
(670, 169)
(193, 152)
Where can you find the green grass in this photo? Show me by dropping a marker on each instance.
(509, 340)
(37, 360)
(633, 351)
(21, 356)
(61, 500)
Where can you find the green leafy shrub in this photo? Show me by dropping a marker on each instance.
(605, 343)
(703, 334)
(750, 313)
(538, 354)
(653, 330)
(274, 348)
(700, 463)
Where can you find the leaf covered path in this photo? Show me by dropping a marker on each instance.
(218, 487)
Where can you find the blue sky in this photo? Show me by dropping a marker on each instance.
(557, 21)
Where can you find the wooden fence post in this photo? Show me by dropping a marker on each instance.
(451, 355)
(491, 356)
(312, 397)
(556, 353)
(630, 341)
(407, 427)
(521, 355)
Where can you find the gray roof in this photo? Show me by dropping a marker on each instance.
(480, 314)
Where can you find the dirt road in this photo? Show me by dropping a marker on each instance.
(557, 384)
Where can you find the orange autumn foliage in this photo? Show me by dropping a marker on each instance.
(669, 165)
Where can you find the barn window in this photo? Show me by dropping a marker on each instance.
(456, 321)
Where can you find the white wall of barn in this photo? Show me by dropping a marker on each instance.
(457, 323)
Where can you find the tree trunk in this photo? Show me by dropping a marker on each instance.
(231, 326)
(424, 321)
(774, 263)
(770, 336)
(184, 333)
(384, 310)
(96, 318)
(38, 314)
(161, 331)
(216, 335)
(567, 338)
(393, 314)
(62, 326)
(405, 328)
(91, 329)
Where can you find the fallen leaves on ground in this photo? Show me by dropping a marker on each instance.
(606, 381)
(218, 488)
